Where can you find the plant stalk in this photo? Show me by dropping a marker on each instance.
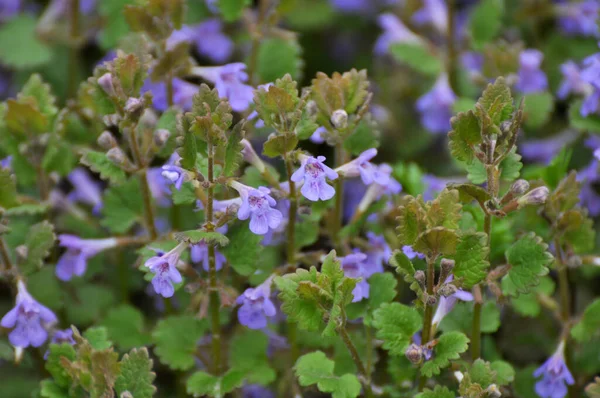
(426, 335)
(356, 358)
(73, 48)
(146, 194)
(336, 223)
(565, 308)
(5, 256)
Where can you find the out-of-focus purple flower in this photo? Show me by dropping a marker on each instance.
(74, 261)
(256, 305)
(173, 173)
(544, 150)
(591, 74)
(6, 163)
(183, 92)
(28, 319)
(314, 173)
(317, 136)
(159, 186)
(85, 189)
(361, 166)
(353, 266)
(572, 82)
(352, 6)
(472, 62)
(435, 106)
(434, 12)
(411, 253)
(354, 191)
(531, 78)
(588, 196)
(579, 18)
(378, 254)
(394, 31)
(164, 268)
(199, 253)
(256, 391)
(433, 186)
(60, 337)
(555, 375)
(212, 5)
(208, 37)
(229, 81)
(257, 205)
(9, 9)
(446, 304)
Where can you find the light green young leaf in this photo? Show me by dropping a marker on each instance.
(396, 323)
(464, 137)
(412, 220)
(50, 389)
(538, 108)
(364, 136)
(589, 324)
(98, 162)
(438, 240)
(233, 151)
(528, 304)
(39, 242)
(201, 383)
(176, 338)
(471, 258)
(450, 346)
(53, 363)
(316, 368)
(497, 101)
(510, 169)
(41, 93)
(97, 337)
(276, 57)
(136, 374)
(8, 189)
(505, 374)
(232, 10)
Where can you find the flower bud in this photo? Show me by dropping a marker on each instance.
(519, 187)
(536, 196)
(106, 140)
(134, 106)
(414, 353)
(431, 300)
(420, 278)
(339, 119)
(111, 120)
(116, 155)
(505, 126)
(447, 289)
(446, 266)
(161, 136)
(106, 83)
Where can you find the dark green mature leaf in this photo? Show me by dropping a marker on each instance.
(122, 206)
(528, 304)
(136, 374)
(232, 9)
(465, 136)
(59, 157)
(461, 318)
(92, 301)
(578, 230)
(176, 338)
(510, 169)
(316, 368)
(405, 267)
(418, 56)
(248, 353)
(198, 235)
(538, 107)
(471, 258)
(39, 242)
(485, 22)
(98, 162)
(396, 323)
(125, 326)
(278, 56)
(382, 289)
(437, 392)
(589, 123)
(19, 45)
(50, 389)
(364, 136)
(8, 189)
(184, 196)
(243, 249)
(589, 324)
(450, 346)
(529, 258)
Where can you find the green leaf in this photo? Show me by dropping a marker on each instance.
(243, 249)
(382, 289)
(50, 389)
(248, 353)
(97, 337)
(505, 374)
(471, 258)
(198, 235)
(497, 101)
(125, 326)
(136, 374)
(438, 240)
(538, 108)
(35, 89)
(98, 162)
(122, 206)
(528, 304)
(396, 323)
(461, 318)
(464, 136)
(306, 233)
(201, 383)
(278, 56)
(27, 210)
(589, 324)
(233, 151)
(278, 145)
(176, 338)
(450, 346)
(364, 136)
(53, 362)
(184, 196)
(412, 220)
(469, 192)
(232, 10)
(510, 169)
(437, 392)
(19, 46)
(485, 22)
(316, 368)
(92, 300)
(115, 26)
(8, 189)
(418, 57)
(529, 258)
(444, 210)
(131, 73)
(39, 242)
(46, 288)
(189, 150)
(59, 157)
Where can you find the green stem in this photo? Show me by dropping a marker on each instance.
(5, 256)
(170, 90)
(565, 307)
(336, 224)
(369, 354)
(253, 62)
(426, 335)
(74, 48)
(214, 301)
(477, 306)
(356, 358)
(451, 59)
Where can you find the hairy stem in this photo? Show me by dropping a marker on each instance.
(565, 306)
(356, 358)
(73, 48)
(336, 223)
(426, 335)
(146, 194)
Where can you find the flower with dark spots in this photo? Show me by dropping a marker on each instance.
(313, 175)
(257, 205)
(164, 268)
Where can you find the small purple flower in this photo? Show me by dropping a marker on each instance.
(352, 6)
(435, 106)
(434, 12)
(173, 173)
(572, 82)
(208, 38)
(256, 391)
(164, 268)
(257, 205)
(317, 136)
(472, 62)
(588, 196)
(580, 18)
(85, 189)
(378, 254)
(28, 319)
(544, 150)
(446, 304)
(60, 337)
(183, 92)
(9, 9)
(353, 266)
(411, 253)
(555, 376)
(531, 78)
(229, 81)
(159, 186)
(6, 163)
(199, 253)
(256, 305)
(314, 173)
(361, 166)
(394, 31)
(74, 261)
(591, 74)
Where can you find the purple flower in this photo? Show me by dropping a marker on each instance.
(257, 205)
(379, 253)
(544, 150)
(588, 196)
(433, 186)
(164, 268)
(60, 337)
(208, 38)
(256, 391)
(411, 253)
(317, 136)
(28, 319)
(85, 189)
(173, 173)
(555, 376)
(531, 78)
(434, 12)
(9, 9)
(591, 75)
(229, 81)
(352, 6)
(183, 92)
(74, 261)
(199, 253)
(313, 173)
(572, 81)
(361, 166)
(6, 163)
(256, 305)
(354, 266)
(435, 106)
(446, 304)
(580, 18)
(394, 31)
(472, 62)
(159, 186)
